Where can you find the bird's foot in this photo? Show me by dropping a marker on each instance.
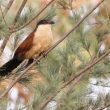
(43, 54)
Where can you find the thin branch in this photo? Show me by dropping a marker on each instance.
(19, 11)
(8, 7)
(78, 77)
(42, 10)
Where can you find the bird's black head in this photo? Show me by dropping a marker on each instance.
(45, 22)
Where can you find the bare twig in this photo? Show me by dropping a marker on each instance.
(8, 7)
(77, 78)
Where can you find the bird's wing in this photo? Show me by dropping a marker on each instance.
(25, 46)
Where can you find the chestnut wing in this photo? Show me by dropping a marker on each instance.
(25, 46)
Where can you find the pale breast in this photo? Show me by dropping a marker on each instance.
(42, 41)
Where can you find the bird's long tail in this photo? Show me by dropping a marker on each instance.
(9, 66)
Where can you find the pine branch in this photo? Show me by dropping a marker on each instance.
(75, 79)
(42, 10)
(12, 31)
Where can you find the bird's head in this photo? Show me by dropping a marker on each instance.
(45, 22)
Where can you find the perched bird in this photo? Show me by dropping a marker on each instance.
(36, 43)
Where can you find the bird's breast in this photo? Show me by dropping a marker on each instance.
(43, 39)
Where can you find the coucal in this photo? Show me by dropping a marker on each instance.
(36, 43)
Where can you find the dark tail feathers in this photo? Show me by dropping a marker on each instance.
(9, 66)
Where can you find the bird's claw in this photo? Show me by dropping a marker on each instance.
(43, 54)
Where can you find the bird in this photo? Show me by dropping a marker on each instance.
(37, 42)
